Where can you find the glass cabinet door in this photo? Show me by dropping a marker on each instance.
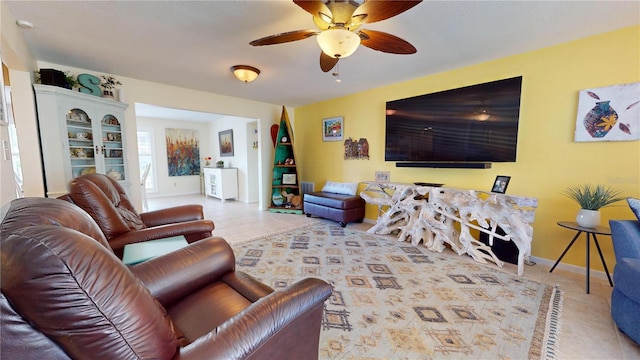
(112, 148)
(82, 150)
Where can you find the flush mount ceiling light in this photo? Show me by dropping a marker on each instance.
(245, 73)
(338, 43)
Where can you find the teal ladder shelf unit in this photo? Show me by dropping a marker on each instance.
(285, 185)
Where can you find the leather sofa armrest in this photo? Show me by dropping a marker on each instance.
(282, 325)
(179, 273)
(247, 285)
(172, 215)
(203, 228)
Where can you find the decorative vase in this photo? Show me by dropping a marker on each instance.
(588, 218)
(600, 120)
(277, 199)
(121, 96)
(107, 94)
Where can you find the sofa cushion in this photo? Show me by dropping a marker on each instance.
(105, 201)
(626, 276)
(634, 204)
(625, 235)
(340, 188)
(52, 212)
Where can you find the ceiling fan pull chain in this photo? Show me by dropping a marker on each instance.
(337, 73)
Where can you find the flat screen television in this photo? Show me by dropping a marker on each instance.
(477, 123)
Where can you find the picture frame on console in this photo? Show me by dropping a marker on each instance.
(500, 184)
(383, 176)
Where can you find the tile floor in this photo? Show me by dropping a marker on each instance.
(587, 330)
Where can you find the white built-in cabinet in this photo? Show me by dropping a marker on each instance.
(79, 134)
(221, 183)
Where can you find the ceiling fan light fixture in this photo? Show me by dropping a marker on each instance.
(245, 73)
(338, 43)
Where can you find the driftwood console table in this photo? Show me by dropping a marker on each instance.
(438, 215)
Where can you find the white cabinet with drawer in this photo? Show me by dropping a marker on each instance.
(221, 183)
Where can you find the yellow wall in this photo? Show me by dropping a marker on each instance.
(548, 160)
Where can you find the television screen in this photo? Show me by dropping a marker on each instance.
(477, 123)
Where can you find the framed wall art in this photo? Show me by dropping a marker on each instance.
(288, 179)
(610, 113)
(183, 152)
(333, 129)
(501, 183)
(226, 142)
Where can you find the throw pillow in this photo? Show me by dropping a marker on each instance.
(340, 188)
(634, 204)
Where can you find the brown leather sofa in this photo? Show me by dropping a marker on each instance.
(66, 295)
(107, 203)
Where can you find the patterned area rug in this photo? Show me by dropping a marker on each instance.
(393, 300)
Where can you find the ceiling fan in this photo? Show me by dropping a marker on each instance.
(338, 33)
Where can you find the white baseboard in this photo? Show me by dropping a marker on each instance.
(158, 195)
(573, 268)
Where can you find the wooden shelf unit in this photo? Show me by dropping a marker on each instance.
(285, 197)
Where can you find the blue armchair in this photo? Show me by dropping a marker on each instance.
(625, 299)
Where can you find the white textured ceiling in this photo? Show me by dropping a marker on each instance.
(192, 44)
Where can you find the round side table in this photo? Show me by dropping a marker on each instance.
(590, 232)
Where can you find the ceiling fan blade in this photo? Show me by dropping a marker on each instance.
(327, 62)
(285, 37)
(381, 41)
(316, 8)
(376, 10)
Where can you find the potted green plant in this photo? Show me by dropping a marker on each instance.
(591, 199)
(108, 83)
(71, 80)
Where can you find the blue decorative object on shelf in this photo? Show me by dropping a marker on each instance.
(89, 84)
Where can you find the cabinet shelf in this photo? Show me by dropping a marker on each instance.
(77, 126)
(287, 208)
(79, 123)
(285, 186)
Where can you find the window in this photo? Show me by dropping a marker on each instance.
(146, 151)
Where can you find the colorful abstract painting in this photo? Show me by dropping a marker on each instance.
(609, 113)
(183, 152)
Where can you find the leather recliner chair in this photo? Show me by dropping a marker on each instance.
(66, 295)
(107, 203)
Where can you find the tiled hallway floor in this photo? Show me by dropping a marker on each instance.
(587, 330)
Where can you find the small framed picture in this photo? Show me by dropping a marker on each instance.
(226, 142)
(333, 129)
(501, 183)
(383, 176)
(288, 179)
